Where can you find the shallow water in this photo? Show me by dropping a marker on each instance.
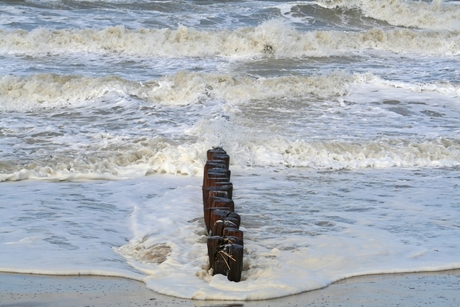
(340, 117)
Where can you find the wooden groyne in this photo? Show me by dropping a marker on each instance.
(225, 239)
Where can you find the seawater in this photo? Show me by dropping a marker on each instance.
(341, 119)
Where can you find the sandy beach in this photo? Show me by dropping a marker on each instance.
(417, 289)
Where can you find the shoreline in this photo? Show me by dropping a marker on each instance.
(408, 289)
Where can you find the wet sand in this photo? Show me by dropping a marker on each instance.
(417, 289)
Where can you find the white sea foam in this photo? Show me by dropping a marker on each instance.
(268, 150)
(233, 120)
(183, 88)
(344, 143)
(161, 216)
(437, 15)
(249, 151)
(315, 250)
(128, 160)
(271, 38)
(447, 89)
(49, 90)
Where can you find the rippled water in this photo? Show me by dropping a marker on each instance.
(340, 117)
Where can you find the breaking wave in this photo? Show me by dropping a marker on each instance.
(164, 156)
(272, 38)
(437, 15)
(182, 88)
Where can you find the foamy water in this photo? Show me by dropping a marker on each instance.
(340, 117)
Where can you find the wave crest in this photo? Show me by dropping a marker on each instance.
(254, 149)
(272, 38)
(436, 15)
(182, 88)
(134, 160)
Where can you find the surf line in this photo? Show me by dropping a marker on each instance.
(225, 239)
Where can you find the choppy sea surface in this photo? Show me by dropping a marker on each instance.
(341, 118)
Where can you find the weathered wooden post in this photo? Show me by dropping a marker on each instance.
(225, 243)
(223, 158)
(216, 165)
(233, 232)
(218, 186)
(213, 151)
(217, 202)
(235, 261)
(213, 245)
(215, 177)
(210, 201)
(218, 154)
(214, 202)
